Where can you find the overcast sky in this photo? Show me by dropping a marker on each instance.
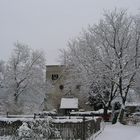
(49, 24)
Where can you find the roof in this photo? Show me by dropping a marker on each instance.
(69, 103)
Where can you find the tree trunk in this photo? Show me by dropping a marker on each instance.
(121, 113)
(105, 115)
(15, 99)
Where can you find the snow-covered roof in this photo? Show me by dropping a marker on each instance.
(69, 103)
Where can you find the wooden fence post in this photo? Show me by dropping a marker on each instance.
(34, 115)
(7, 114)
(84, 129)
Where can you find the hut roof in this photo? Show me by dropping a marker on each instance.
(69, 103)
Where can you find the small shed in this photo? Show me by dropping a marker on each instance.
(68, 104)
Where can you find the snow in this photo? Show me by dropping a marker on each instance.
(20, 116)
(10, 120)
(132, 104)
(101, 111)
(69, 103)
(46, 113)
(67, 120)
(120, 132)
(72, 119)
(24, 130)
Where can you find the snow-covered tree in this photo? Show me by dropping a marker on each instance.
(117, 36)
(105, 59)
(47, 103)
(24, 132)
(84, 68)
(2, 73)
(137, 77)
(25, 75)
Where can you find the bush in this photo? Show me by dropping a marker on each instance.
(37, 130)
(42, 129)
(24, 132)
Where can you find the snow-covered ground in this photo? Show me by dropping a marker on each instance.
(120, 132)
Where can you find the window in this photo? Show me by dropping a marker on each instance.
(61, 87)
(54, 76)
(78, 87)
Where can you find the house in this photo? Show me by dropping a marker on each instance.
(68, 104)
(55, 86)
(56, 76)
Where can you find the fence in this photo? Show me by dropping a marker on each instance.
(131, 121)
(72, 128)
(9, 128)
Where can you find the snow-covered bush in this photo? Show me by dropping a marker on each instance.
(42, 128)
(24, 132)
(39, 129)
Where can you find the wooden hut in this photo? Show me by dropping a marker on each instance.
(68, 104)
